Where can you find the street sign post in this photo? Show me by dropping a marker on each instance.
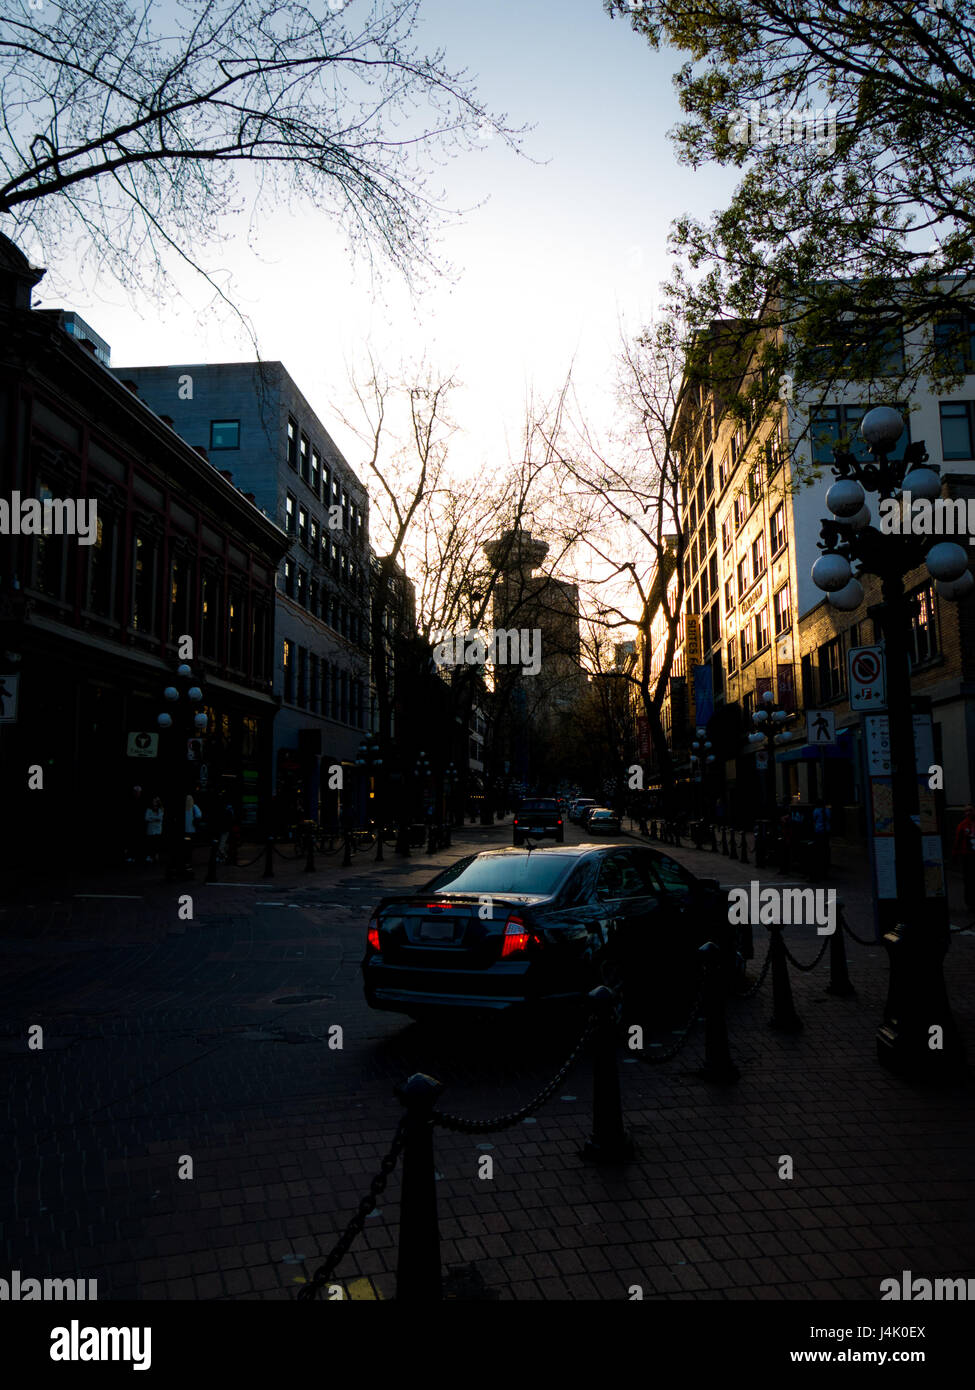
(867, 670)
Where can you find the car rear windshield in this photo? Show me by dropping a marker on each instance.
(506, 873)
(539, 804)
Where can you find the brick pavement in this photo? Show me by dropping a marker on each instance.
(175, 1040)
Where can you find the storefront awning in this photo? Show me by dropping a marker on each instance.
(811, 752)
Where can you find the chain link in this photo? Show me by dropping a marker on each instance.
(812, 964)
(655, 1060)
(757, 985)
(378, 1185)
(861, 940)
(464, 1126)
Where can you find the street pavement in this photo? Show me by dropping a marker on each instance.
(211, 1038)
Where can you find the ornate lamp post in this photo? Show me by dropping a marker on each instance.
(918, 1034)
(189, 720)
(369, 758)
(769, 722)
(702, 760)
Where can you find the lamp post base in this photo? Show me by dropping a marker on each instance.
(918, 1037)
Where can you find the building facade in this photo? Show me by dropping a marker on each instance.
(178, 565)
(258, 428)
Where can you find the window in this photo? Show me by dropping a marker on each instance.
(314, 685)
(954, 341)
(101, 561)
(289, 578)
(754, 486)
(745, 638)
(761, 629)
(957, 432)
(831, 669)
(839, 425)
(782, 604)
(313, 542)
(729, 595)
(302, 586)
(289, 514)
(742, 576)
(726, 535)
(924, 645)
(293, 443)
(144, 586)
(758, 554)
(710, 524)
(303, 526)
(289, 671)
(302, 699)
(235, 631)
(212, 615)
(304, 457)
(772, 454)
(316, 472)
(776, 529)
(224, 434)
(741, 509)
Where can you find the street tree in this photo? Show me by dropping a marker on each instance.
(854, 125)
(136, 129)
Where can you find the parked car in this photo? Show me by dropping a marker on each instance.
(519, 930)
(577, 808)
(538, 816)
(600, 819)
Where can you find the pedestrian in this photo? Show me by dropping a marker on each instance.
(192, 816)
(964, 849)
(154, 829)
(822, 824)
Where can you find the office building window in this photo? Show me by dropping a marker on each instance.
(831, 669)
(839, 426)
(957, 433)
(954, 340)
(726, 535)
(289, 578)
(302, 677)
(303, 526)
(746, 640)
(212, 615)
(235, 630)
(289, 671)
(143, 586)
(224, 434)
(758, 554)
(314, 688)
(742, 576)
(316, 472)
(729, 595)
(293, 443)
(313, 542)
(101, 567)
(741, 510)
(924, 644)
(290, 514)
(776, 529)
(304, 459)
(783, 611)
(754, 486)
(302, 586)
(761, 629)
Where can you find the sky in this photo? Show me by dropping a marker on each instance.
(553, 254)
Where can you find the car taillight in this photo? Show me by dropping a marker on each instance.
(516, 937)
(559, 821)
(373, 934)
(516, 820)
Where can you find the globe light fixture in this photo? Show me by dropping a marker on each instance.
(881, 428)
(955, 589)
(831, 572)
(170, 693)
(200, 721)
(195, 694)
(165, 721)
(848, 598)
(184, 671)
(760, 716)
(922, 482)
(861, 519)
(846, 497)
(946, 561)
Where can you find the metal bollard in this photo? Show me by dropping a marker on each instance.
(347, 856)
(609, 1141)
(718, 1065)
(732, 851)
(212, 862)
(743, 855)
(724, 839)
(310, 857)
(269, 858)
(839, 975)
(784, 1016)
(714, 839)
(418, 1273)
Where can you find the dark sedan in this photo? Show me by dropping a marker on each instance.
(508, 930)
(601, 818)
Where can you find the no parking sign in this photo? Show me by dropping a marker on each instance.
(868, 678)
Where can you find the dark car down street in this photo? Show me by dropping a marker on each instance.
(514, 930)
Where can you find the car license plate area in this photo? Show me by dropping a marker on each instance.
(439, 929)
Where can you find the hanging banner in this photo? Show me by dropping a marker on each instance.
(703, 678)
